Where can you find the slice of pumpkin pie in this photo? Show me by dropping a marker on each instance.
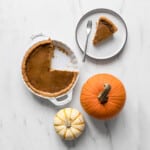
(104, 29)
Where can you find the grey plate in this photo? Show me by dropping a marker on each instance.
(107, 48)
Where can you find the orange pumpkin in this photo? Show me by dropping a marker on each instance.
(103, 96)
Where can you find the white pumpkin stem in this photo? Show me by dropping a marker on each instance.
(103, 96)
(68, 124)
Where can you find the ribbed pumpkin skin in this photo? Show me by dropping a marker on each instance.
(89, 96)
(71, 117)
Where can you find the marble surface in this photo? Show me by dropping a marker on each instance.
(26, 121)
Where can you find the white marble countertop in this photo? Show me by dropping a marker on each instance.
(26, 121)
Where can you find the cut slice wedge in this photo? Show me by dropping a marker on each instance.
(105, 28)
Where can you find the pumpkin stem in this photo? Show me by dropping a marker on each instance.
(103, 95)
(68, 124)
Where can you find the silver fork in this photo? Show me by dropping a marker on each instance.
(88, 30)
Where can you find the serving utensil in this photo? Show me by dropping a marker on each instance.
(88, 30)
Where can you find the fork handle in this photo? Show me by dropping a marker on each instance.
(85, 49)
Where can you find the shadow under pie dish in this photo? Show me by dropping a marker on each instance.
(39, 75)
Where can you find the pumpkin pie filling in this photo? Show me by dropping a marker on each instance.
(105, 28)
(39, 75)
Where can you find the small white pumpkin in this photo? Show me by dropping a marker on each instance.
(69, 123)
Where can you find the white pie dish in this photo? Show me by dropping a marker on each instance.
(65, 62)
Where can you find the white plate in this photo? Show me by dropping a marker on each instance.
(107, 48)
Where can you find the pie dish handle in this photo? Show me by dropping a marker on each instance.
(62, 100)
(38, 37)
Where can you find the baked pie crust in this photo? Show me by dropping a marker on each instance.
(104, 29)
(38, 74)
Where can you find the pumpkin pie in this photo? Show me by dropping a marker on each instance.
(38, 74)
(105, 28)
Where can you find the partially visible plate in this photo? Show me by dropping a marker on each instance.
(108, 48)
